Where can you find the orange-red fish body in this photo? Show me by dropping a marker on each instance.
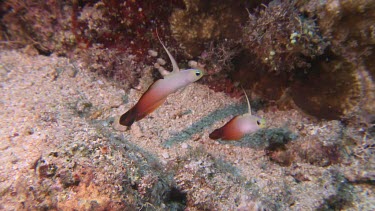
(238, 127)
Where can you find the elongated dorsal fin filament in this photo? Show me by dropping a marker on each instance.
(174, 63)
(247, 99)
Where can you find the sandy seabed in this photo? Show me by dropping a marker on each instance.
(62, 149)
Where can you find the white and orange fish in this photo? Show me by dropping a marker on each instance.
(158, 92)
(239, 126)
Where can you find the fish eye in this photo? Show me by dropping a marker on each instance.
(197, 73)
(258, 122)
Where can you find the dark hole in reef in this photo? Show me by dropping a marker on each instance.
(176, 195)
(326, 88)
(254, 75)
(43, 51)
(82, 3)
(241, 71)
(326, 57)
(275, 147)
(54, 154)
(134, 186)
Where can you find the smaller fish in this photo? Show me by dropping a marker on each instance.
(158, 92)
(239, 126)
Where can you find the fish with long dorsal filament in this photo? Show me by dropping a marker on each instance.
(239, 126)
(158, 92)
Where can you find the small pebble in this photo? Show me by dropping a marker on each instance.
(136, 131)
(184, 145)
(152, 53)
(161, 61)
(157, 65)
(193, 64)
(161, 69)
(71, 72)
(165, 155)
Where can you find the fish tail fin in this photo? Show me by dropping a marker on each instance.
(128, 118)
(138, 112)
(216, 134)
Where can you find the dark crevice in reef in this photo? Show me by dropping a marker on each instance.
(176, 199)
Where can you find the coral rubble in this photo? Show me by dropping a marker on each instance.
(203, 21)
(282, 38)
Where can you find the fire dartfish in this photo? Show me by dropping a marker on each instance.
(158, 92)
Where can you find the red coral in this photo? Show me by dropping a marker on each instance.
(122, 25)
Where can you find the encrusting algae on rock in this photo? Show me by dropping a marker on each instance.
(202, 22)
(281, 38)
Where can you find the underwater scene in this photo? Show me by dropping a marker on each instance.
(247, 105)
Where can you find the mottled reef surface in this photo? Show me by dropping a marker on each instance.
(62, 149)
